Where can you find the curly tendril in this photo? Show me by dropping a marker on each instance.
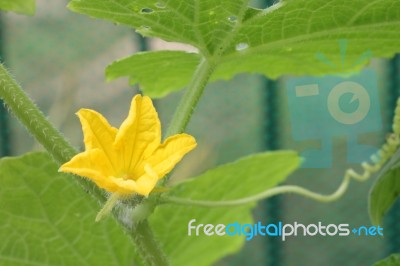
(377, 161)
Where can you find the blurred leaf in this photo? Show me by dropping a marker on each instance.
(392, 260)
(385, 190)
(47, 220)
(245, 177)
(283, 39)
(394, 161)
(383, 194)
(20, 6)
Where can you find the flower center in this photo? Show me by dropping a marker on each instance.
(127, 177)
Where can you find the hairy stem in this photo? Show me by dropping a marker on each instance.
(37, 124)
(192, 95)
(189, 101)
(52, 140)
(33, 119)
(148, 247)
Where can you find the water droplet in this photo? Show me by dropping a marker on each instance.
(160, 5)
(232, 18)
(146, 10)
(145, 28)
(289, 49)
(242, 46)
(211, 13)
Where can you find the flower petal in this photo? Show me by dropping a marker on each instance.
(124, 186)
(148, 181)
(143, 185)
(140, 133)
(170, 153)
(92, 164)
(98, 134)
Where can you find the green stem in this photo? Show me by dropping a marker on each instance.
(189, 101)
(37, 124)
(192, 95)
(148, 247)
(33, 119)
(52, 140)
(108, 206)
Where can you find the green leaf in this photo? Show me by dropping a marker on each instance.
(204, 24)
(392, 260)
(20, 6)
(47, 220)
(245, 177)
(170, 70)
(383, 194)
(385, 190)
(287, 38)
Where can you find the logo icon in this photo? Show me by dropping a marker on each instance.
(322, 108)
(359, 94)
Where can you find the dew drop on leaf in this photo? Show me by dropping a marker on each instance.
(144, 28)
(146, 11)
(232, 18)
(241, 46)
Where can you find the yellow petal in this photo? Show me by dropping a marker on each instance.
(124, 186)
(143, 185)
(98, 134)
(148, 181)
(170, 153)
(92, 164)
(140, 133)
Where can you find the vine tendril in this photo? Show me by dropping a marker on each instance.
(377, 161)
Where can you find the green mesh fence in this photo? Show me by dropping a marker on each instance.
(273, 206)
(59, 58)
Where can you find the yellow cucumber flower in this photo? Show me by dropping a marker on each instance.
(130, 159)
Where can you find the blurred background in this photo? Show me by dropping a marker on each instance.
(59, 58)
